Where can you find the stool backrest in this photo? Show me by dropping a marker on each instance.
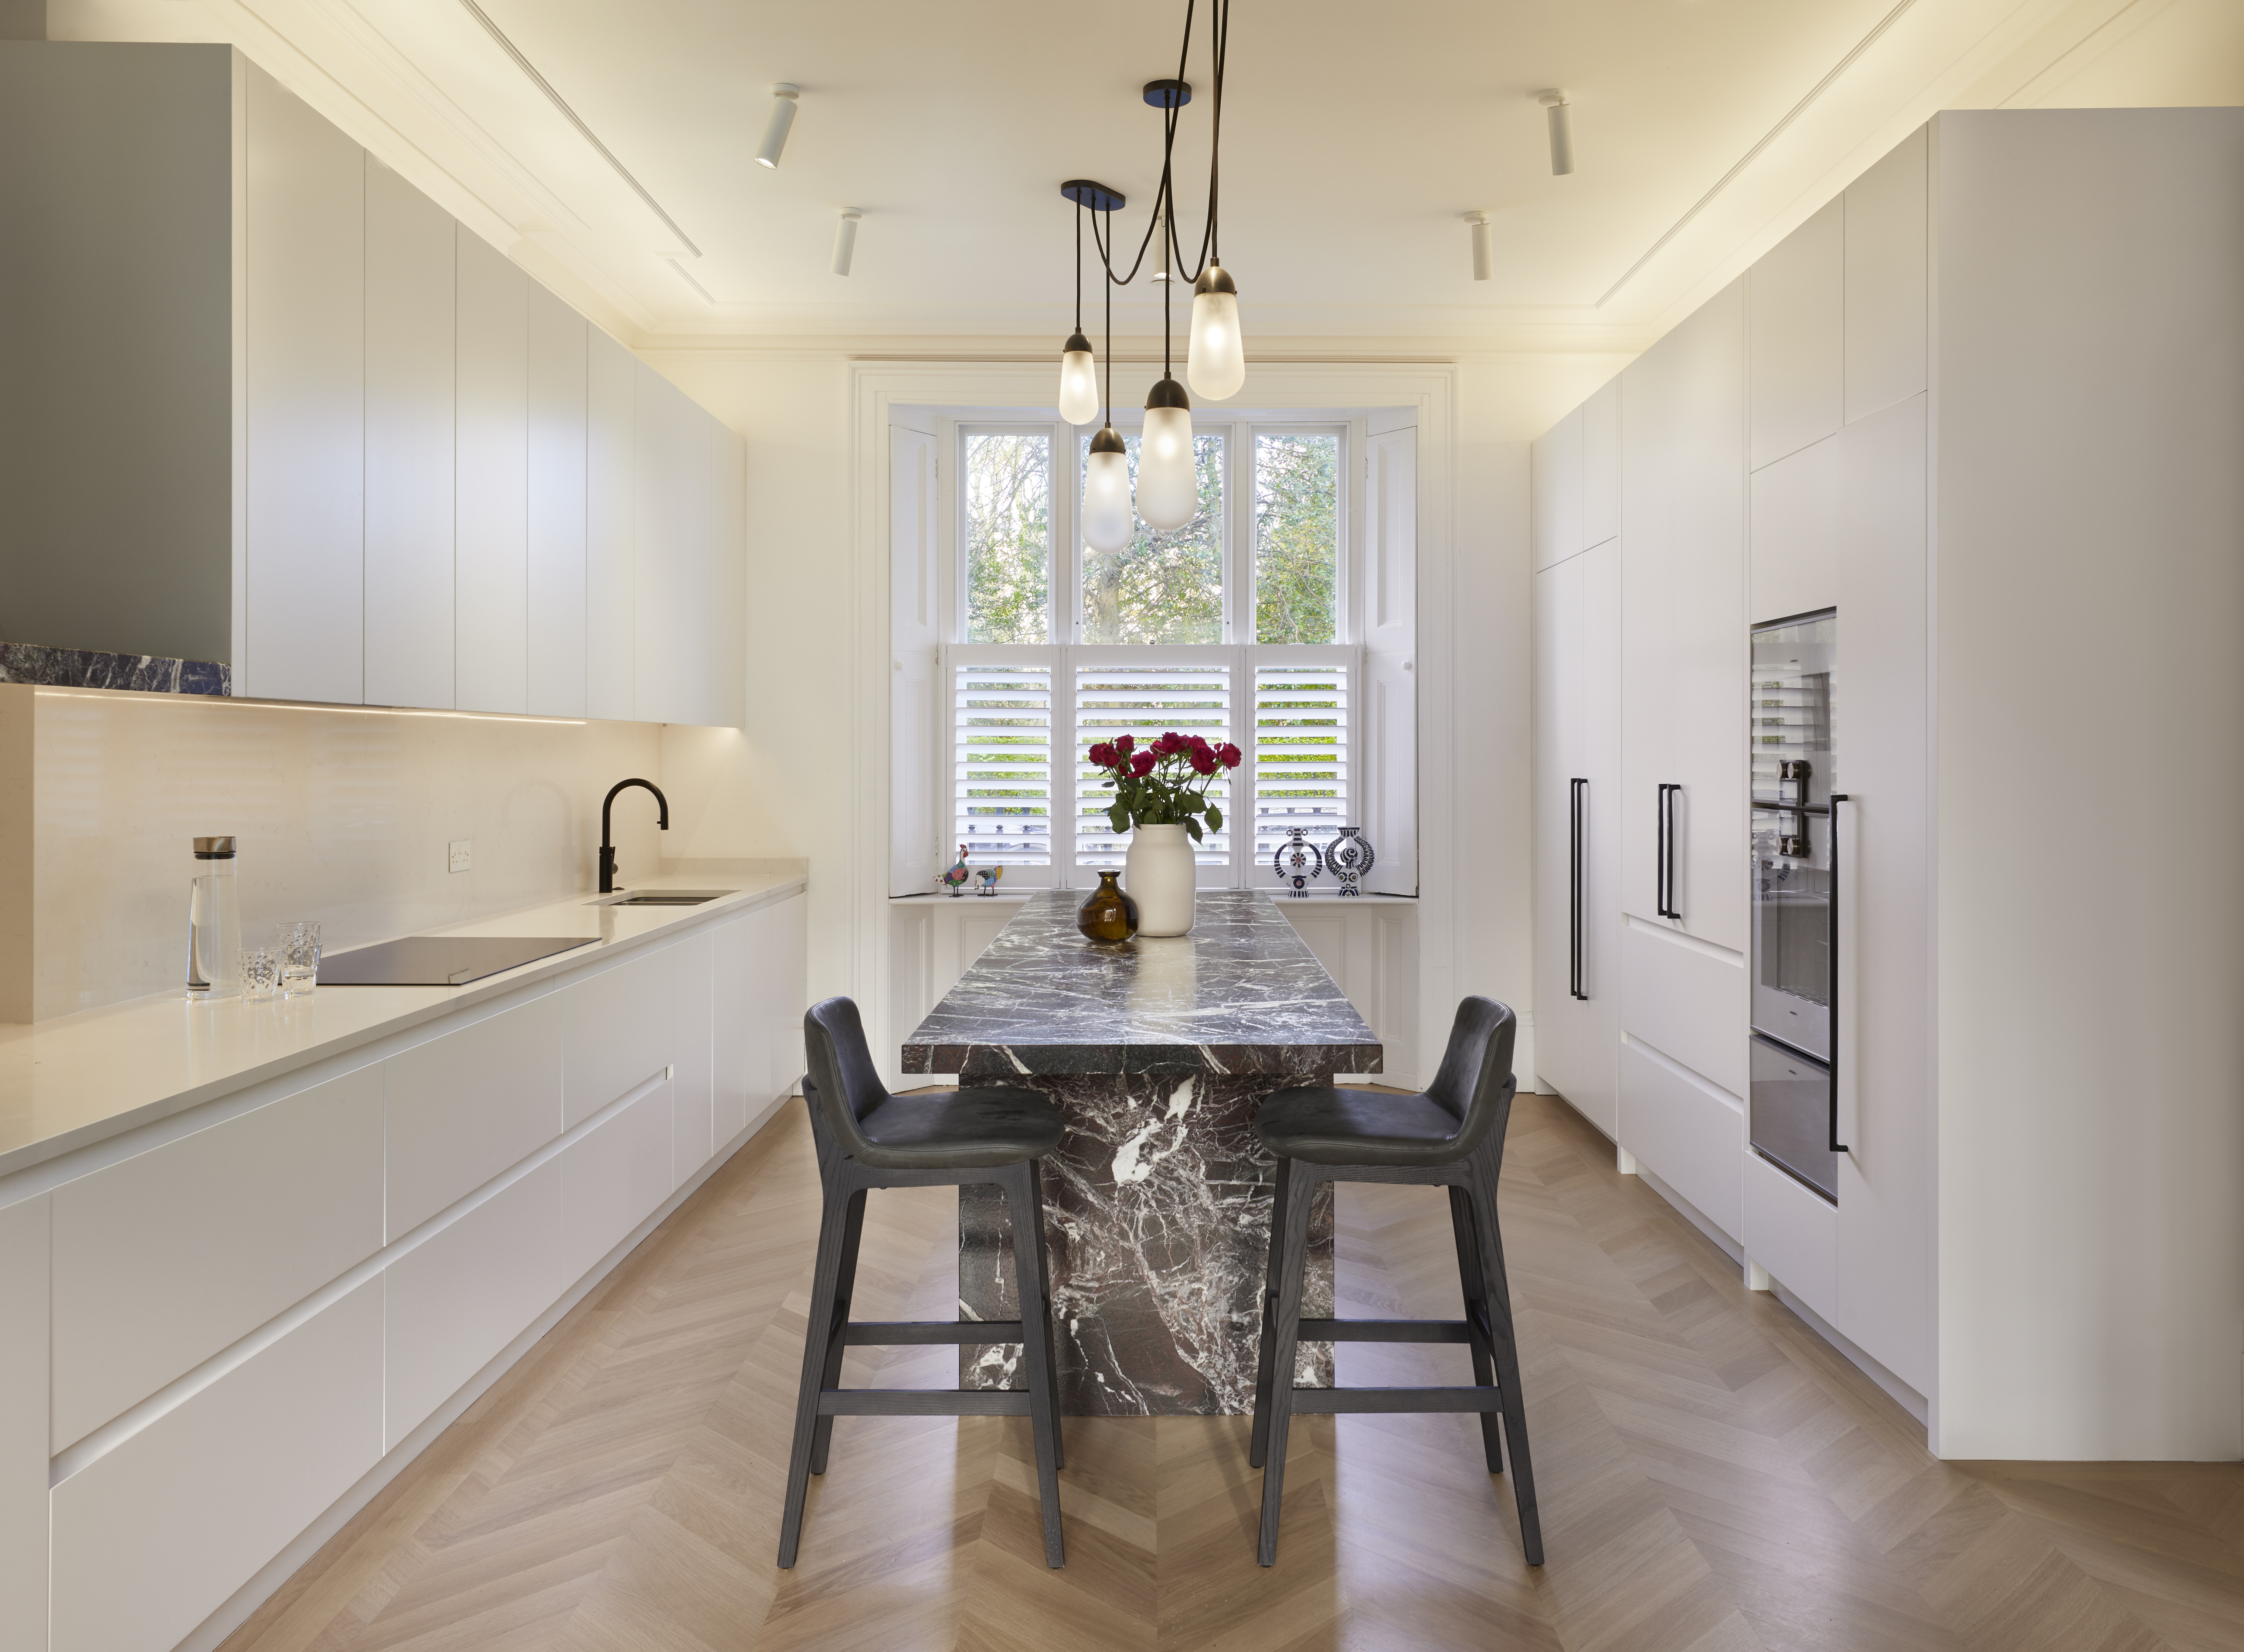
(1475, 1085)
(841, 1070)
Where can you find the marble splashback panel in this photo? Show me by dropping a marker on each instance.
(341, 815)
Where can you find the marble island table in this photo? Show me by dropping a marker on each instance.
(1156, 1206)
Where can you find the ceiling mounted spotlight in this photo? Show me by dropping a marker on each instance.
(1483, 240)
(782, 117)
(1562, 131)
(845, 239)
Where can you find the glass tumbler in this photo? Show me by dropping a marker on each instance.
(299, 945)
(261, 973)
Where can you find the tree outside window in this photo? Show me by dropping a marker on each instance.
(1161, 587)
(1008, 537)
(1296, 538)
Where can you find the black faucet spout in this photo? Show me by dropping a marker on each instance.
(607, 853)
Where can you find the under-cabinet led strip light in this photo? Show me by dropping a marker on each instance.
(298, 705)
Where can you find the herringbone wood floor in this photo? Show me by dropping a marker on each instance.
(1712, 1475)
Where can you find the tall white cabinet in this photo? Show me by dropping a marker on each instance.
(1960, 406)
(440, 486)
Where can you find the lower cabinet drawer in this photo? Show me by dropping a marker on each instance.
(151, 1538)
(1687, 998)
(454, 1301)
(1794, 1233)
(613, 1179)
(1688, 1132)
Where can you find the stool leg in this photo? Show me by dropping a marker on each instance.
(1468, 1273)
(832, 1225)
(1506, 1350)
(1286, 1334)
(845, 1282)
(1258, 1444)
(1026, 1214)
(1043, 1296)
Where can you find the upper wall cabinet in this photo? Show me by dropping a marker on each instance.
(1799, 338)
(265, 405)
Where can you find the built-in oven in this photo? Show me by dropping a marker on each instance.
(1791, 1119)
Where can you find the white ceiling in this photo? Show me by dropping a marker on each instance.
(1356, 138)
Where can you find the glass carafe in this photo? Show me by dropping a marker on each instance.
(214, 923)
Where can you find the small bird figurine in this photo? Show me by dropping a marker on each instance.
(990, 876)
(958, 874)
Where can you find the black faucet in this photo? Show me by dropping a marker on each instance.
(607, 853)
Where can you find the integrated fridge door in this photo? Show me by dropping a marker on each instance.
(1788, 1114)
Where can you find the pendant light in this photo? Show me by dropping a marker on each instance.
(1168, 481)
(1215, 362)
(1078, 373)
(1106, 523)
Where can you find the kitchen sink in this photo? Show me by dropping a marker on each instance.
(670, 898)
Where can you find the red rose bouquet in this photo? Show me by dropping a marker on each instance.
(1163, 782)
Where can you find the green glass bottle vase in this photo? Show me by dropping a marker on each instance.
(1107, 913)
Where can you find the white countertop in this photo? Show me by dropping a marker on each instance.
(79, 1079)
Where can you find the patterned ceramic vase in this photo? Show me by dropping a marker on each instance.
(1350, 857)
(1107, 913)
(1158, 876)
(1297, 861)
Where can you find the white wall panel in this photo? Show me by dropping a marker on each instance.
(1799, 338)
(914, 634)
(1887, 331)
(1687, 1132)
(555, 505)
(410, 443)
(165, 1259)
(611, 469)
(1795, 531)
(1557, 492)
(1601, 465)
(1388, 718)
(613, 1179)
(453, 1302)
(23, 1439)
(693, 962)
(494, 549)
(465, 1107)
(782, 942)
(618, 1031)
(735, 1039)
(152, 1537)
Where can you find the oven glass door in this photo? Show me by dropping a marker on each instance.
(1794, 752)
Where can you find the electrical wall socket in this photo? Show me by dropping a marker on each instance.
(463, 853)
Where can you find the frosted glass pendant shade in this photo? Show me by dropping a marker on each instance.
(1217, 364)
(1106, 493)
(1079, 381)
(1168, 490)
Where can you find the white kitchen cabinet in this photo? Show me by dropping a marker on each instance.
(612, 1177)
(780, 946)
(1791, 1233)
(674, 570)
(1687, 1000)
(1686, 1131)
(453, 1302)
(1683, 567)
(154, 1535)
(1601, 465)
(737, 1062)
(727, 675)
(1887, 316)
(1557, 492)
(409, 443)
(1795, 533)
(693, 964)
(175, 1254)
(554, 522)
(610, 475)
(304, 398)
(25, 1444)
(493, 560)
(466, 1106)
(1799, 343)
(619, 1030)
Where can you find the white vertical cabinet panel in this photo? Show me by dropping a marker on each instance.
(153, 1536)
(1601, 465)
(494, 549)
(663, 524)
(1799, 338)
(914, 823)
(167, 1257)
(786, 992)
(734, 1039)
(612, 1178)
(305, 396)
(1557, 491)
(465, 1107)
(692, 1089)
(611, 472)
(1558, 700)
(1596, 1078)
(618, 1030)
(728, 586)
(1887, 279)
(410, 443)
(24, 1446)
(453, 1301)
(1885, 934)
(1683, 593)
(1388, 719)
(1687, 1132)
(555, 506)
(1795, 533)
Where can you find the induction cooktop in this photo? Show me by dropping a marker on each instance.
(439, 961)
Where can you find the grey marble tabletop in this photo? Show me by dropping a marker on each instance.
(1240, 994)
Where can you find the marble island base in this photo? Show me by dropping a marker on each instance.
(1156, 1216)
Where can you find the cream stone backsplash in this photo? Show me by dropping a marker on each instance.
(341, 815)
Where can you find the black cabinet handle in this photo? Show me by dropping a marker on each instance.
(1664, 902)
(1837, 1146)
(1577, 795)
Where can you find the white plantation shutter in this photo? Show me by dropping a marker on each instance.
(1302, 747)
(1145, 691)
(1002, 757)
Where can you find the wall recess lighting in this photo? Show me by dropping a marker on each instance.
(782, 119)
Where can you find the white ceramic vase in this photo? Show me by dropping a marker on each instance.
(1159, 874)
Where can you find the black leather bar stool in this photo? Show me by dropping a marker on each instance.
(1451, 1135)
(868, 1139)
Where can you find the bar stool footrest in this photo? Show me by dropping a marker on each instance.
(899, 1333)
(1385, 1331)
(1335, 1402)
(923, 1402)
